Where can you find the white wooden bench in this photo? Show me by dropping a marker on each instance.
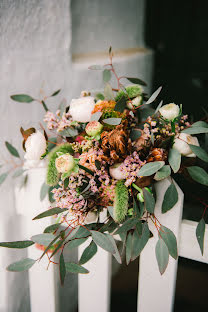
(98, 281)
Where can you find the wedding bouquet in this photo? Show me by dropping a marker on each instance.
(103, 158)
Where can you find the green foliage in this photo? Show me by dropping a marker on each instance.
(22, 265)
(43, 239)
(154, 96)
(195, 130)
(174, 159)
(170, 198)
(128, 247)
(12, 149)
(112, 121)
(75, 268)
(3, 177)
(52, 177)
(96, 116)
(121, 94)
(76, 242)
(17, 244)
(199, 152)
(150, 168)
(162, 255)
(88, 253)
(108, 92)
(62, 268)
(120, 105)
(56, 92)
(133, 91)
(106, 75)
(22, 98)
(127, 225)
(120, 205)
(136, 81)
(198, 174)
(170, 240)
(163, 173)
(149, 201)
(116, 254)
(43, 191)
(200, 231)
(139, 241)
(103, 241)
(50, 212)
(52, 228)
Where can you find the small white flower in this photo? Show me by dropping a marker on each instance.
(35, 147)
(65, 163)
(116, 172)
(181, 144)
(169, 111)
(81, 109)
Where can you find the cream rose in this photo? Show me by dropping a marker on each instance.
(81, 109)
(64, 163)
(181, 144)
(35, 146)
(169, 111)
(116, 172)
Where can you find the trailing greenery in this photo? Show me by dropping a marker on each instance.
(52, 177)
(120, 202)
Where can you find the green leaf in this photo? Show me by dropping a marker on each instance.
(163, 173)
(43, 239)
(88, 253)
(158, 107)
(3, 177)
(139, 242)
(127, 225)
(195, 130)
(50, 212)
(69, 132)
(108, 92)
(12, 149)
(106, 75)
(170, 198)
(200, 124)
(198, 174)
(112, 121)
(174, 159)
(51, 244)
(135, 134)
(44, 191)
(62, 107)
(96, 67)
(120, 105)
(136, 81)
(116, 254)
(96, 116)
(200, 231)
(199, 152)
(62, 268)
(170, 240)
(100, 96)
(76, 242)
(150, 168)
(17, 244)
(86, 169)
(56, 92)
(103, 241)
(22, 98)
(128, 247)
(149, 201)
(154, 95)
(18, 173)
(162, 255)
(52, 228)
(75, 268)
(22, 265)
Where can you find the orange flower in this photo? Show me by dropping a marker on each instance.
(101, 105)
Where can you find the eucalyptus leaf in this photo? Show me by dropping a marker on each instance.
(200, 124)
(120, 105)
(62, 268)
(22, 98)
(52, 228)
(195, 130)
(128, 247)
(62, 107)
(18, 173)
(76, 242)
(127, 225)
(108, 92)
(69, 132)
(112, 121)
(56, 92)
(174, 159)
(200, 231)
(158, 107)
(150, 168)
(198, 174)
(149, 201)
(199, 152)
(135, 134)
(139, 242)
(88, 253)
(162, 255)
(163, 173)
(96, 116)
(116, 254)
(96, 67)
(44, 191)
(136, 81)
(170, 240)
(43, 239)
(22, 265)
(50, 212)
(170, 198)
(12, 149)
(106, 75)
(154, 95)
(103, 241)
(75, 268)
(17, 244)
(3, 177)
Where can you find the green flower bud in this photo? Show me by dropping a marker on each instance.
(93, 128)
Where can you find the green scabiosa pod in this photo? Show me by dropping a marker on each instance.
(134, 90)
(120, 206)
(52, 177)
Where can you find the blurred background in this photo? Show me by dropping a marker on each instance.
(46, 45)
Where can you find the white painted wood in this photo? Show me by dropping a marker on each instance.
(94, 288)
(42, 282)
(156, 292)
(189, 247)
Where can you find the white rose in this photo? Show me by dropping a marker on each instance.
(169, 111)
(116, 172)
(64, 163)
(181, 144)
(35, 146)
(81, 109)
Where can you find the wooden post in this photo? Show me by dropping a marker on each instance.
(42, 282)
(156, 292)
